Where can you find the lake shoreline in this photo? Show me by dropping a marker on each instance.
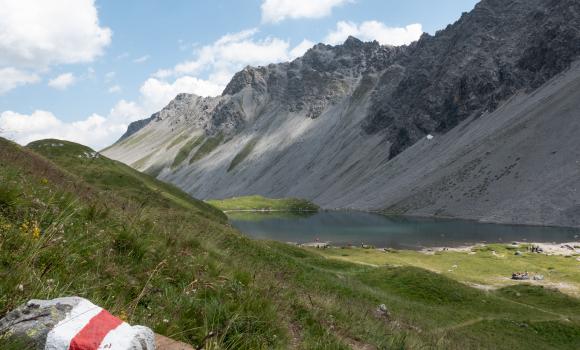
(403, 216)
(560, 249)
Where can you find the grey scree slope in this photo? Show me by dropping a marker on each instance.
(346, 126)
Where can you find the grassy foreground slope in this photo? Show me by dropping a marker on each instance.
(154, 256)
(263, 203)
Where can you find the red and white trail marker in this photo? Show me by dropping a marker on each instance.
(90, 327)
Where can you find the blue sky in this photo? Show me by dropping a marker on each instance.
(83, 69)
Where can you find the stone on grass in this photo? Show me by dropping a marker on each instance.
(71, 322)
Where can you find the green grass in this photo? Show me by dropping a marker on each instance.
(134, 140)
(139, 164)
(142, 248)
(259, 203)
(176, 141)
(243, 154)
(480, 266)
(154, 170)
(267, 215)
(210, 144)
(185, 150)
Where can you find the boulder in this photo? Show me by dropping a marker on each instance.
(383, 311)
(72, 323)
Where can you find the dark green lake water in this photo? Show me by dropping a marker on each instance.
(347, 227)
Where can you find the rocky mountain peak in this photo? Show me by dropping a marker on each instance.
(334, 123)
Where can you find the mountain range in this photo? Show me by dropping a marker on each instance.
(479, 121)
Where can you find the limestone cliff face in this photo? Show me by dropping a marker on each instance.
(339, 125)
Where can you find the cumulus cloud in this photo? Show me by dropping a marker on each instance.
(219, 61)
(230, 53)
(206, 75)
(62, 81)
(35, 35)
(374, 30)
(126, 112)
(274, 11)
(41, 33)
(95, 131)
(11, 78)
(155, 93)
(300, 49)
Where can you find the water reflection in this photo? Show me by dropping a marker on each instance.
(356, 228)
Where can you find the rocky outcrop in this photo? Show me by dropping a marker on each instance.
(331, 123)
(499, 48)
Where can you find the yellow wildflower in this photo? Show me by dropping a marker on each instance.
(123, 316)
(32, 229)
(35, 231)
(44, 181)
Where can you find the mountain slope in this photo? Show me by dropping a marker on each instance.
(342, 125)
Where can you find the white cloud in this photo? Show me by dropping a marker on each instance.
(37, 34)
(142, 59)
(11, 78)
(217, 61)
(230, 53)
(301, 48)
(114, 89)
(63, 81)
(156, 94)
(126, 112)
(220, 60)
(274, 11)
(374, 30)
(95, 131)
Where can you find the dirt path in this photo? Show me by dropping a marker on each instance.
(164, 343)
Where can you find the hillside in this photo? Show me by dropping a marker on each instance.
(74, 222)
(475, 122)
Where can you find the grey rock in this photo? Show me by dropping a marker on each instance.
(345, 126)
(31, 322)
(30, 325)
(538, 278)
(383, 311)
(520, 276)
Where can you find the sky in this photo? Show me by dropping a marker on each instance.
(82, 70)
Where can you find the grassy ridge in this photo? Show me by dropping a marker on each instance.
(262, 203)
(154, 256)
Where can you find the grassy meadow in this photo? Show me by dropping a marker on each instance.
(488, 266)
(75, 223)
(259, 203)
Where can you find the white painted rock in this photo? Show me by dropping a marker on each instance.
(73, 323)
